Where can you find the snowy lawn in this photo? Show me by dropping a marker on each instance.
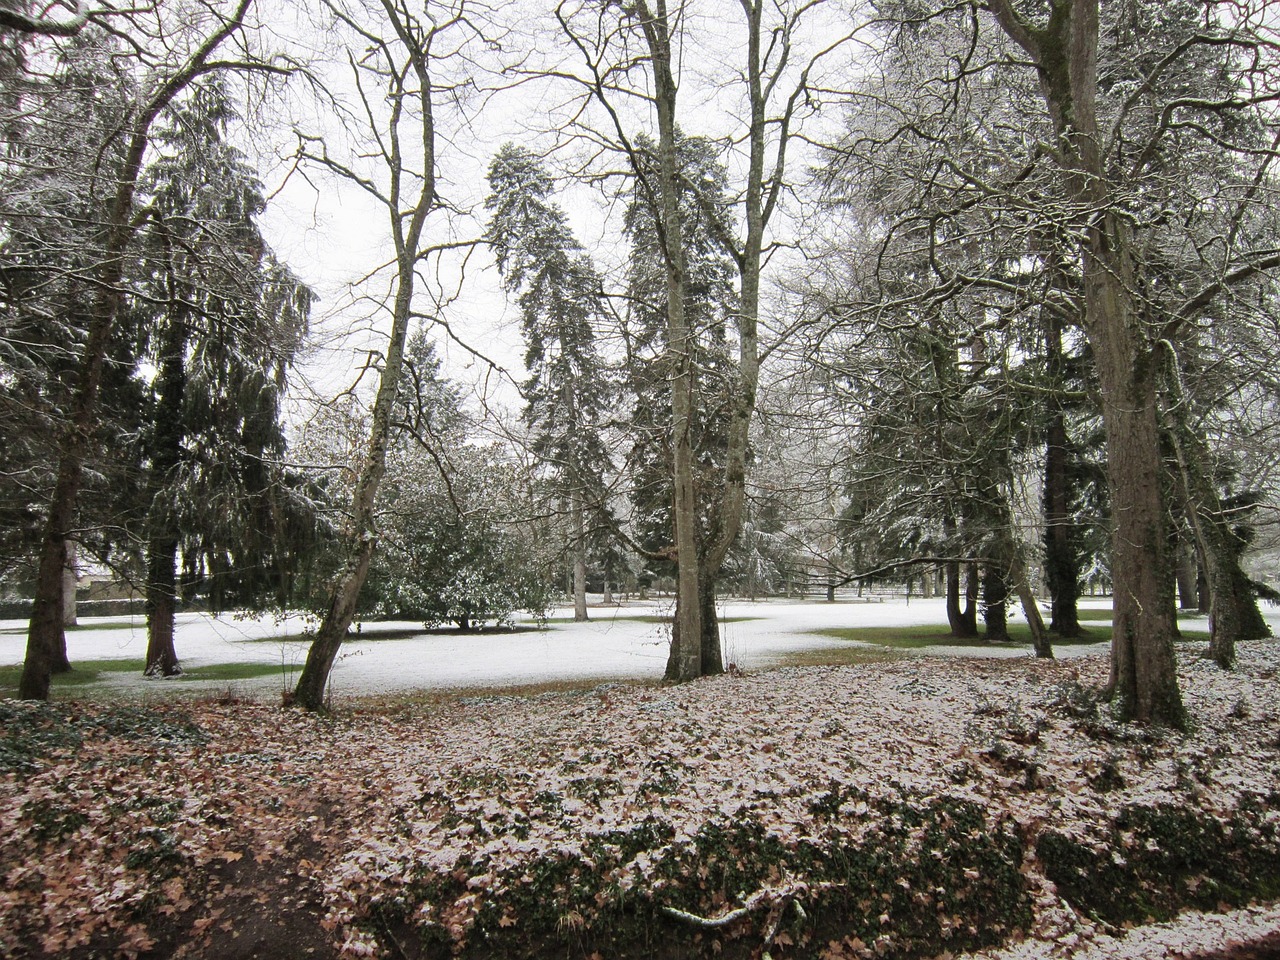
(918, 806)
(618, 643)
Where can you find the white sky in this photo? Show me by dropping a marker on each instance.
(333, 236)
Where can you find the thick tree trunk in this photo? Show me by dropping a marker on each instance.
(343, 599)
(711, 658)
(963, 620)
(162, 580)
(168, 434)
(46, 641)
(1143, 678)
(1144, 681)
(684, 662)
(712, 655)
(44, 632)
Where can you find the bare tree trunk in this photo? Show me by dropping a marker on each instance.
(407, 217)
(995, 599)
(46, 641)
(579, 559)
(1188, 595)
(1233, 609)
(686, 655)
(962, 620)
(1143, 668)
(1062, 560)
(162, 541)
(711, 658)
(162, 579)
(1030, 609)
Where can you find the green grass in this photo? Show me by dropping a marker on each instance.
(85, 672)
(82, 672)
(1092, 614)
(939, 635)
(231, 671)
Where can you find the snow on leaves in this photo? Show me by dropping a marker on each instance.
(443, 814)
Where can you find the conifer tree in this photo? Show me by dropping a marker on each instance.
(561, 299)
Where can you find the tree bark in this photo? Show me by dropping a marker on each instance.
(579, 559)
(684, 662)
(45, 636)
(1143, 681)
(711, 657)
(995, 599)
(1062, 559)
(407, 218)
(1188, 594)
(1233, 609)
(162, 543)
(69, 587)
(162, 567)
(1030, 609)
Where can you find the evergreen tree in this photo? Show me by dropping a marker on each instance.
(459, 544)
(710, 302)
(222, 320)
(560, 294)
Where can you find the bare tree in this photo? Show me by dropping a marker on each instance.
(391, 59)
(1106, 151)
(636, 58)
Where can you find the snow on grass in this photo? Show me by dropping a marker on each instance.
(439, 811)
(618, 643)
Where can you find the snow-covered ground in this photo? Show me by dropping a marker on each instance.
(727, 741)
(620, 642)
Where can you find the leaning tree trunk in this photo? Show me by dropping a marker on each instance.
(407, 216)
(46, 641)
(995, 599)
(45, 637)
(1030, 609)
(1233, 608)
(360, 535)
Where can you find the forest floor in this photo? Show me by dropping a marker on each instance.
(904, 807)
